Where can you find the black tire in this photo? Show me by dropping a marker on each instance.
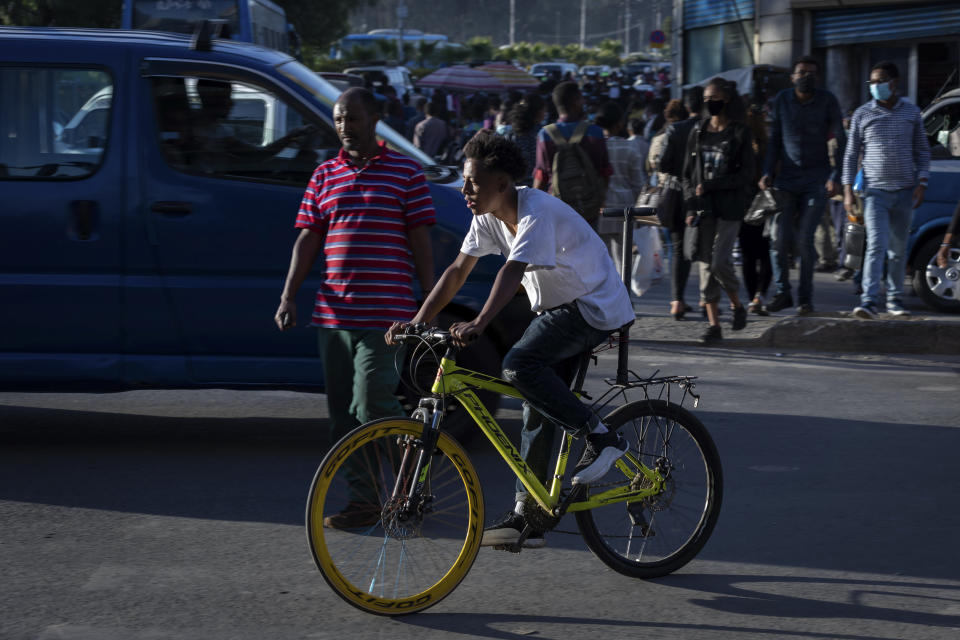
(938, 288)
(482, 355)
(674, 525)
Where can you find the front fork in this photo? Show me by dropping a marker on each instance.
(417, 455)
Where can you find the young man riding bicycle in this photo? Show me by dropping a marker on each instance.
(573, 286)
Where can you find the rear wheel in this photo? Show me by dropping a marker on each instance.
(399, 556)
(656, 536)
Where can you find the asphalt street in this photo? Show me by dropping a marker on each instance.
(179, 514)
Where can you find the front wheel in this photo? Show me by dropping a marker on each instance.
(655, 536)
(379, 550)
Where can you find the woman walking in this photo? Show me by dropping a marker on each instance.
(718, 170)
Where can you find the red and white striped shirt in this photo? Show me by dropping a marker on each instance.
(364, 216)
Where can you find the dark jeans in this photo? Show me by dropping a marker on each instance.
(541, 366)
(802, 211)
(679, 265)
(755, 255)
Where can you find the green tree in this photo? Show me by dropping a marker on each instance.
(60, 13)
(480, 48)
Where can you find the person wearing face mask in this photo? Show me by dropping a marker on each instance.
(717, 172)
(896, 166)
(803, 119)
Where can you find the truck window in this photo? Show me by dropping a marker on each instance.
(943, 130)
(237, 130)
(54, 123)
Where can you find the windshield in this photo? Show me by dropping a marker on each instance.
(327, 94)
(182, 17)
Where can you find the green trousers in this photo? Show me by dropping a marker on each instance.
(360, 380)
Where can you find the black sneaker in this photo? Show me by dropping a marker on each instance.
(712, 335)
(600, 451)
(739, 318)
(866, 311)
(780, 302)
(843, 275)
(507, 530)
(804, 309)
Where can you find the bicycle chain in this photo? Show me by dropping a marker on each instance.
(592, 486)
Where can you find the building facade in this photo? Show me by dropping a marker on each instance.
(921, 36)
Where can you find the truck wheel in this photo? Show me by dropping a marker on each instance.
(938, 288)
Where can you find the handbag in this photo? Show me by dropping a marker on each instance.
(691, 240)
(854, 245)
(763, 206)
(665, 199)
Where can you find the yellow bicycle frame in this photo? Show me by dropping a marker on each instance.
(459, 382)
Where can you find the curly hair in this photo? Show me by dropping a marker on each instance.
(495, 153)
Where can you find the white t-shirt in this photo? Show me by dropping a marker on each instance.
(566, 259)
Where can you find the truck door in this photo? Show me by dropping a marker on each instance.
(222, 185)
(62, 176)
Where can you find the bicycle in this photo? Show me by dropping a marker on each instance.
(650, 515)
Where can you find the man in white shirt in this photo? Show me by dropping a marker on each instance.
(572, 285)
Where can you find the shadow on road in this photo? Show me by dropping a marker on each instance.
(842, 495)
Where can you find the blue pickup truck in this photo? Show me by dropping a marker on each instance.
(131, 257)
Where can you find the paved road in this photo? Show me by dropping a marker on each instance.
(156, 515)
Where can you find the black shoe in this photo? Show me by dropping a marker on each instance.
(600, 451)
(712, 335)
(739, 318)
(804, 309)
(843, 274)
(507, 530)
(780, 302)
(825, 268)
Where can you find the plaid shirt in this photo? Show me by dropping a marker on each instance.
(896, 153)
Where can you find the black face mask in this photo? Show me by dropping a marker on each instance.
(806, 84)
(715, 107)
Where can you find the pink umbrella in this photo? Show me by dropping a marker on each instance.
(510, 76)
(465, 78)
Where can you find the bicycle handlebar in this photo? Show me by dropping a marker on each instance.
(421, 332)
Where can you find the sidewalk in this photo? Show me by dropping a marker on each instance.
(830, 328)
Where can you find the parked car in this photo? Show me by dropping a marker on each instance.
(593, 70)
(341, 81)
(134, 256)
(544, 69)
(936, 286)
(396, 76)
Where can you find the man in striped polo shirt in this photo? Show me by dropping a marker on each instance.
(368, 211)
(896, 166)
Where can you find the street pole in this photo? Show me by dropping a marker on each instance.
(626, 27)
(401, 16)
(513, 21)
(583, 23)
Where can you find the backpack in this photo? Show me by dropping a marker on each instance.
(574, 179)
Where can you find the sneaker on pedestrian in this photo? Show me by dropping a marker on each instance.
(804, 309)
(355, 515)
(739, 318)
(756, 306)
(843, 274)
(600, 451)
(780, 302)
(895, 308)
(507, 530)
(825, 267)
(712, 335)
(866, 311)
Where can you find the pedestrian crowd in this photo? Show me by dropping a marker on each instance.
(708, 157)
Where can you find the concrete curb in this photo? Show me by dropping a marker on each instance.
(840, 332)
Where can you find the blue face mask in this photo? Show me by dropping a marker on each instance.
(881, 91)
